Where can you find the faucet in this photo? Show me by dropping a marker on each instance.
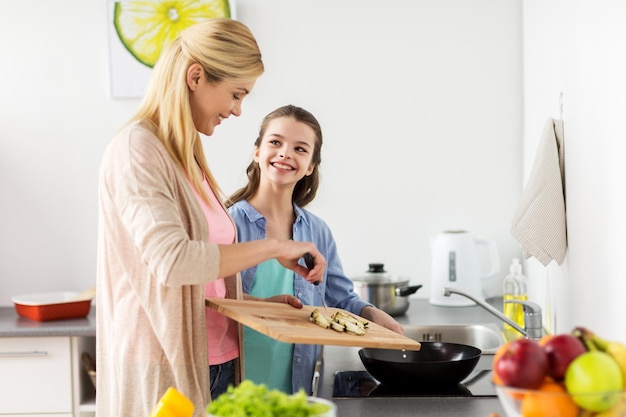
(532, 314)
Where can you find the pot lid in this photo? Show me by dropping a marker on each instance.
(376, 274)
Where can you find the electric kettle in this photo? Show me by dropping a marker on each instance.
(460, 260)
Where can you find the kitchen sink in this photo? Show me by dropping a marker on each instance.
(487, 337)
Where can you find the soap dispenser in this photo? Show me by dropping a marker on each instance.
(515, 288)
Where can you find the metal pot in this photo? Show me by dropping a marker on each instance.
(384, 290)
(435, 364)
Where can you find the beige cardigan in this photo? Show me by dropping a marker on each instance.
(153, 259)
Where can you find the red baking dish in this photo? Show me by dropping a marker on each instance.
(51, 306)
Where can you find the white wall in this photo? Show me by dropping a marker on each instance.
(420, 102)
(577, 47)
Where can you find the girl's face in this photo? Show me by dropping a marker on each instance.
(210, 102)
(285, 152)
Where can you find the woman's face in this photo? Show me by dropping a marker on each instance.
(286, 151)
(213, 102)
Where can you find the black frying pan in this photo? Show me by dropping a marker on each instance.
(436, 363)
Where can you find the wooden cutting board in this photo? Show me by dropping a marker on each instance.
(288, 324)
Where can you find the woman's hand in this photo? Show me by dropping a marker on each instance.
(292, 252)
(381, 318)
(239, 256)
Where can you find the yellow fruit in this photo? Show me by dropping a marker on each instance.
(145, 27)
(173, 403)
(618, 352)
(618, 410)
(614, 349)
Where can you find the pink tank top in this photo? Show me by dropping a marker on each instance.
(222, 331)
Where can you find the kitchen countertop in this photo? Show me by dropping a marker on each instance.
(12, 325)
(336, 358)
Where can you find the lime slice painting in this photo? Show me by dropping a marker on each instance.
(139, 31)
(146, 27)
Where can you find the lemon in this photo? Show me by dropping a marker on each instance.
(146, 27)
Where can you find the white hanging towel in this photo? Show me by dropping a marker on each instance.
(540, 224)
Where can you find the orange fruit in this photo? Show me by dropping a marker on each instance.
(550, 400)
(544, 339)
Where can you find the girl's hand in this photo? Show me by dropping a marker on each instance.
(281, 298)
(286, 299)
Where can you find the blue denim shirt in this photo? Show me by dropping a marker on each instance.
(336, 288)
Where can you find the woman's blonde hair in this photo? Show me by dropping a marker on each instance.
(226, 49)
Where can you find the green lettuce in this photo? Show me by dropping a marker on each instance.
(252, 400)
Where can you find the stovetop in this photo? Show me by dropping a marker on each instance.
(362, 384)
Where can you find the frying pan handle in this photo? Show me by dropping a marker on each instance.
(404, 291)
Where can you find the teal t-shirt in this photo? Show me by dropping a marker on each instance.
(268, 361)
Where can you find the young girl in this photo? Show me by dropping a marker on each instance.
(283, 178)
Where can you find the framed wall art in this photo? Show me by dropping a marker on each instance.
(139, 30)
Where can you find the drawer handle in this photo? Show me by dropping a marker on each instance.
(34, 353)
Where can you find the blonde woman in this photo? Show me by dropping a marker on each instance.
(165, 240)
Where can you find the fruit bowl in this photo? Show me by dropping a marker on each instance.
(553, 401)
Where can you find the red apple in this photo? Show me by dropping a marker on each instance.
(561, 350)
(524, 364)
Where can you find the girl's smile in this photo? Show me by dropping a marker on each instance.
(286, 151)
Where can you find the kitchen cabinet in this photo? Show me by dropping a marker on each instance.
(35, 376)
(84, 392)
(43, 376)
(41, 372)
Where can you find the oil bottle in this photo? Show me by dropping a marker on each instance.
(515, 288)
